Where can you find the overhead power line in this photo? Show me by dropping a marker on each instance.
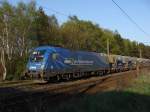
(125, 13)
(55, 11)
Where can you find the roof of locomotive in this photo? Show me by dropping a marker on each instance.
(49, 48)
(43, 47)
(60, 48)
(54, 48)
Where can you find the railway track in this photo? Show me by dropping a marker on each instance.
(27, 95)
(56, 91)
(16, 83)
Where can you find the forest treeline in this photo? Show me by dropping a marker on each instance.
(24, 26)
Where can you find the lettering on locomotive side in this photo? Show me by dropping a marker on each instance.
(78, 62)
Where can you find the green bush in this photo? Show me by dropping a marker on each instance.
(16, 68)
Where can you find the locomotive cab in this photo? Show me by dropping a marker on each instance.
(36, 64)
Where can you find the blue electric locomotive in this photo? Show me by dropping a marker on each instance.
(47, 61)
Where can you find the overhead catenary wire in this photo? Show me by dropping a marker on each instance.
(60, 13)
(123, 11)
(55, 11)
(130, 18)
(52, 10)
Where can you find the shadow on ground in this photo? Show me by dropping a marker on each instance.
(112, 101)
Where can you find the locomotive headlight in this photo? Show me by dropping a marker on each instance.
(32, 67)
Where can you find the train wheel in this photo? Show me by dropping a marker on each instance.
(58, 77)
(29, 77)
(75, 75)
(100, 73)
(105, 72)
(67, 77)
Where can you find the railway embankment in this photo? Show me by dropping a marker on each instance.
(135, 98)
(98, 91)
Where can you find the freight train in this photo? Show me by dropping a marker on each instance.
(47, 62)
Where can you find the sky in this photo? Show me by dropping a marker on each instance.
(105, 13)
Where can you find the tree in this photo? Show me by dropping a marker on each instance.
(5, 41)
(23, 27)
(14, 28)
(79, 34)
(41, 27)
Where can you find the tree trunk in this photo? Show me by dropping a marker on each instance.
(3, 65)
(1, 72)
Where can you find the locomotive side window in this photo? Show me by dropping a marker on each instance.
(55, 56)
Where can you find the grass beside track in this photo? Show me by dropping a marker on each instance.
(133, 99)
(141, 85)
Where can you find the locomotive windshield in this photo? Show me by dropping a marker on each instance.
(37, 56)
